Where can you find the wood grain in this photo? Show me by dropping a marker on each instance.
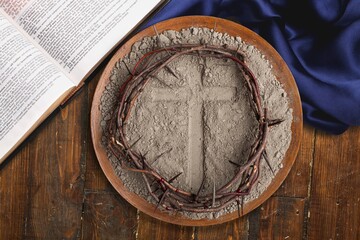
(233, 230)
(95, 179)
(14, 193)
(53, 178)
(151, 228)
(335, 193)
(282, 218)
(106, 216)
(297, 182)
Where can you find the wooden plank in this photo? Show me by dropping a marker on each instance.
(95, 178)
(13, 193)
(53, 181)
(254, 224)
(282, 218)
(108, 216)
(335, 195)
(151, 228)
(297, 182)
(57, 175)
(233, 230)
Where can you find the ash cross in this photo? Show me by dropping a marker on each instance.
(196, 94)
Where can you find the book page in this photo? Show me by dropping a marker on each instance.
(29, 86)
(78, 34)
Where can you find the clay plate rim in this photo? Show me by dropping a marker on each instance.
(280, 70)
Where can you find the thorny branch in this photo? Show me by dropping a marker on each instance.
(164, 193)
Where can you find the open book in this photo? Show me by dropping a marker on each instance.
(48, 48)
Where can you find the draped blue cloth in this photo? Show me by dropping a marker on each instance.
(318, 39)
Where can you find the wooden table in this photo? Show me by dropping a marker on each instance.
(53, 188)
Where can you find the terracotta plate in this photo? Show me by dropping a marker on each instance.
(280, 70)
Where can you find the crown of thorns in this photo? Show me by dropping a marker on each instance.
(166, 195)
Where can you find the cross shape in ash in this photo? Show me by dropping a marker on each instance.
(195, 93)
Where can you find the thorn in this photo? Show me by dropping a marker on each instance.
(274, 122)
(132, 145)
(202, 181)
(171, 71)
(170, 181)
(128, 69)
(236, 164)
(158, 36)
(161, 199)
(146, 153)
(162, 82)
(157, 158)
(200, 188)
(175, 177)
(267, 161)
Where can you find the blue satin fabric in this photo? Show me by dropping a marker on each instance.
(318, 39)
